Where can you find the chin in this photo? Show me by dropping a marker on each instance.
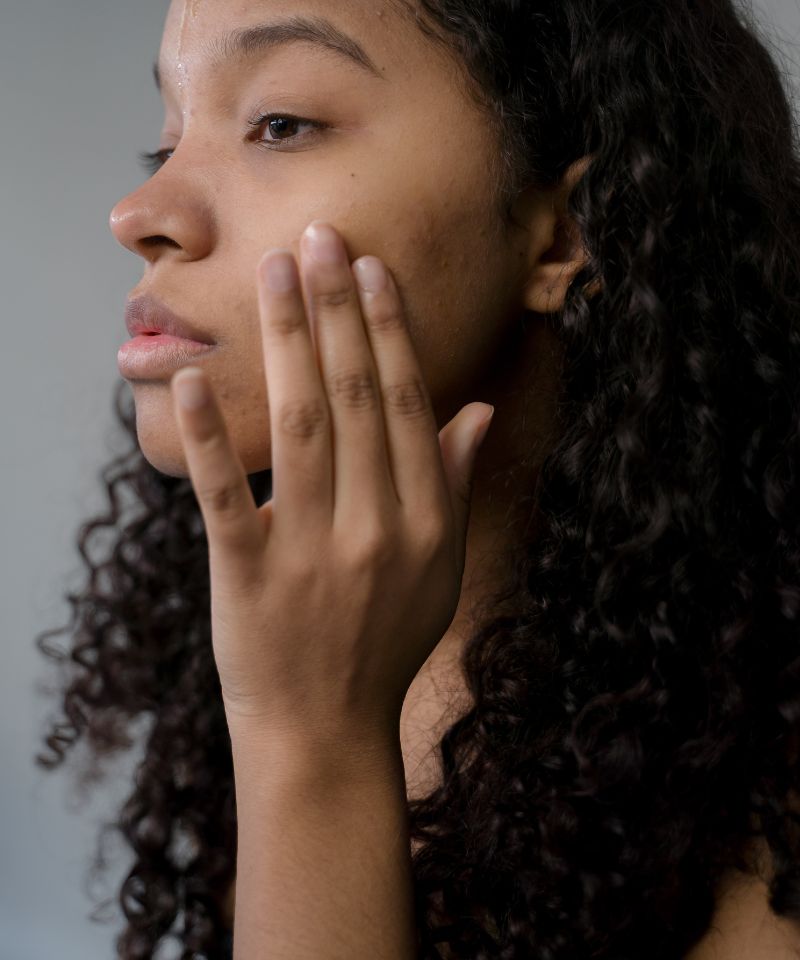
(162, 446)
(157, 432)
(171, 463)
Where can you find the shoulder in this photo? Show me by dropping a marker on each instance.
(743, 926)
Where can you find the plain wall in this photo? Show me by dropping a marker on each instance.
(77, 102)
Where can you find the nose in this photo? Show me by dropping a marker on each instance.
(164, 216)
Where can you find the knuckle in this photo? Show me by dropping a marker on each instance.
(385, 316)
(409, 399)
(355, 389)
(431, 539)
(332, 299)
(373, 546)
(211, 441)
(301, 572)
(287, 322)
(303, 420)
(221, 499)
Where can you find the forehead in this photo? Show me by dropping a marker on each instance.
(382, 33)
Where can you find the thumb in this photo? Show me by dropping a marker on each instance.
(460, 441)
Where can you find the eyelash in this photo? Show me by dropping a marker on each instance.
(152, 162)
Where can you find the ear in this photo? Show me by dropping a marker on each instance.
(555, 252)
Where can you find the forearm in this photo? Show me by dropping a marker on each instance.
(323, 862)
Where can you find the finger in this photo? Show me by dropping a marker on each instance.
(362, 478)
(302, 461)
(219, 480)
(412, 435)
(460, 442)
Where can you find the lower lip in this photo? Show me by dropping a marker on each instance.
(158, 356)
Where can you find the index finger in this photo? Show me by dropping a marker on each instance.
(230, 514)
(300, 421)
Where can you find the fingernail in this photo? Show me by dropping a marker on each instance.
(370, 274)
(279, 271)
(324, 243)
(191, 389)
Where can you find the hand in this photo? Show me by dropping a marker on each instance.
(328, 599)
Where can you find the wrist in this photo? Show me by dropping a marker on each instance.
(333, 753)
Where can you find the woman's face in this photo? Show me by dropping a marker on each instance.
(401, 169)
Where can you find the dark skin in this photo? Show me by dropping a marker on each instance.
(474, 290)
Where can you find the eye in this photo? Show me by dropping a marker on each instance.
(280, 123)
(153, 162)
(277, 124)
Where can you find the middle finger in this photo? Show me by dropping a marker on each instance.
(361, 467)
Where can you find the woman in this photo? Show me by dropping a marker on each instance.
(571, 658)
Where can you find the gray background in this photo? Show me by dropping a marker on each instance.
(76, 103)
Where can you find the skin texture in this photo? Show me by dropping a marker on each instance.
(403, 176)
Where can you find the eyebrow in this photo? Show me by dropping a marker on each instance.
(248, 42)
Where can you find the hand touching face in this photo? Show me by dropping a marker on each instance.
(328, 599)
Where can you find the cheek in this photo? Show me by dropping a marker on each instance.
(455, 289)
(441, 249)
(242, 395)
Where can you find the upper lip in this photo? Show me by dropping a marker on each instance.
(146, 314)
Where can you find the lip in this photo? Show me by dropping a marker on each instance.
(158, 356)
(148, 315)
(161, 341)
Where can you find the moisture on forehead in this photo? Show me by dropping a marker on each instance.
(184, 12)
(187, 20)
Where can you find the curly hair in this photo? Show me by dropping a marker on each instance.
(636, 707)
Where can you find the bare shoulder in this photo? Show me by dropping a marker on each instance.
(744, 927)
